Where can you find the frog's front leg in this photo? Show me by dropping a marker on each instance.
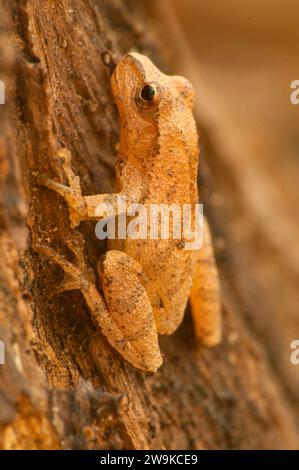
(205, 296)
(82, 207)
(123, 284)
(128, 324)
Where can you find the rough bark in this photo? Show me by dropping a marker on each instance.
(63, 386)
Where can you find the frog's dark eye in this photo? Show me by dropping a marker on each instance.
(148, 93)
(148, 96)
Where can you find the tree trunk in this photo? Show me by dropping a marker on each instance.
(63, 386)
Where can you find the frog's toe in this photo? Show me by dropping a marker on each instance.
(65, 156)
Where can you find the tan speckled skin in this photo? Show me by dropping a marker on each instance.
(158, 161)
(146, 283)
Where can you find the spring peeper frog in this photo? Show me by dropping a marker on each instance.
(146, 283)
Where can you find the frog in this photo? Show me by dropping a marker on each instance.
(145, 284)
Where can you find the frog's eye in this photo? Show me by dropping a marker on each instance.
(149, 96)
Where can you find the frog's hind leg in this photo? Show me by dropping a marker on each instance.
(130, 307)
(205, 296)
(78, 276)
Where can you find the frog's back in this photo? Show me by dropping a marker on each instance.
(159, 156)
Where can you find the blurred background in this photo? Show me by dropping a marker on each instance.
(248, 56)
(244, 57)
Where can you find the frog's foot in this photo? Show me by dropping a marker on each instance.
(76, 247)
(70, 281)
(76, 276)
(130, 307)
(72, 193)
(142, 356)
(205, 295)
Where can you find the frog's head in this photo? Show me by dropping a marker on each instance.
(146, 97)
